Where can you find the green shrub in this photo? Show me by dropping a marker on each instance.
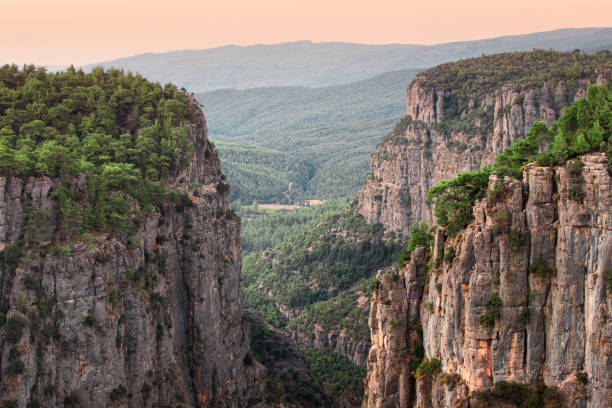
(393, 322)
(375, 285)
(582, 377)
(14, 328)
(608, 279)
(31, 283)
(113, 295)
(419, 236)
(540, 268)
(525, 314)
(101, 257)
(62, 251)
(450, 379)
(449, 254)
(498, 191)
(518, 239)
(428, 368)
(10, 403)
(493, 310)
(519, 395)
(89, 321)
(15, 368)
(11, 255)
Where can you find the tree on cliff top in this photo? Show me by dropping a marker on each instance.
(123, 132)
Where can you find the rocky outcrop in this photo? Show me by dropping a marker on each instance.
(394, 323)
(335, 340)
(521, 295)
(435, 142)
(148, 319)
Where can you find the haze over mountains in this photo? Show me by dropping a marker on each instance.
(305, 63)
(318, 108)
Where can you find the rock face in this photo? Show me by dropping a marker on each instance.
(520, 296)
(432, 143)
(334, 340)
(153, 319)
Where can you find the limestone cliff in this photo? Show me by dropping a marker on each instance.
(153, 319)
(520, 296)
(459, 116)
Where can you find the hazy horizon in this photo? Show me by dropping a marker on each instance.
(69, 32)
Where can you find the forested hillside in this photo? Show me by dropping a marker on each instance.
(328, 134)
(257, 174)
(263, 229)
(313, 279)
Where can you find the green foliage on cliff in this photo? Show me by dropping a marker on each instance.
(492, 311)
(123, 132)
(419, 236)
(428, 368)
(585, 126)
(519, 395)
(464, 81)
(455, 198)
(527, 69)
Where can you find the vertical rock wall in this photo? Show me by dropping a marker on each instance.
(520, 296)
(146, 320)
(427, 150)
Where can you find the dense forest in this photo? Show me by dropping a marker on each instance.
(257, 174)
(317, 261)
(304, 376)
(123, 132)
(264, 229)
(336, 253)
(328, 133)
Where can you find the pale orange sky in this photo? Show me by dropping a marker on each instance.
(87, 31)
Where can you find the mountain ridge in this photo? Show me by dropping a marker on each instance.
(320, 64)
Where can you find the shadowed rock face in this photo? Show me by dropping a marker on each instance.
(553, 317)
(150, 320)
(428, 150)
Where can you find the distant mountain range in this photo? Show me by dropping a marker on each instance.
(305, 63)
